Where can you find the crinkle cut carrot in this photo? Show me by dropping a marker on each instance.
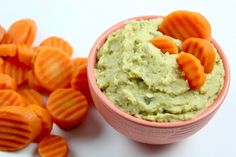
(203, 50)
(7, 50)
(21, 32)
(53, 146)
(17, 33)
(10, 98)
(52, 68)
(67, 107)
(2, 33)
(33, 82)
(165, 44)
(192, 68)
(25, 54)
(78, 62)
(59, 43)
(80, 81)
(15, 69)
(182, 24)
(31, 97)
(18, 127)
(46, 121)
(6, 82)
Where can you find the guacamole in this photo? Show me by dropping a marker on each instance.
(142, 81)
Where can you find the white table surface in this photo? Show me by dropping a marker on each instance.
(81, 22)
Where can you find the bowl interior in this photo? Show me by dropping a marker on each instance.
(92, 61)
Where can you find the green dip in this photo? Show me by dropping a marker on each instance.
(142, 81)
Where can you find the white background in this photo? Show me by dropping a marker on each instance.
(81, 22)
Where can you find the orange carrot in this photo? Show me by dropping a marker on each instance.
(6, 82)
(25, 54)
(18, 127)
(203, 50)
(31, 97)
(33, 82)
(17, 33)
(2, 33)
(15, 69)
(193, 70)
(45, 121)
(78, 62)
(80, 81)
(59, 43)
(67, 107)
(182, 25)
(7, 50)
(53, 146)
(52, 68)
(1, 62)
(21, 32)
(10, 98)
(165, 44)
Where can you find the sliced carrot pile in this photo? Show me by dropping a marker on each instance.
(6, 82)
(193, 70)
(185, 24)
(33, 82)
(203, 50)
(7, 50)
(31, 97)
(18, 127)
(59, 43)
(80, 81)
(15, 69)
(67, 107)
(46, 121)
(53, 146)
(78, 62)
(165, 44)
(10, 98)
(21, 32)
(53, 69)
(2, 33)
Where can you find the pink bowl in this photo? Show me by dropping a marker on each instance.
(142, 130)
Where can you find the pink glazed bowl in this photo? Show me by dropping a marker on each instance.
(142, 130)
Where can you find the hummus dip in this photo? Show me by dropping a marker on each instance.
(142, 81)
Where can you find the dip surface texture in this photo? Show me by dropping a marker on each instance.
(142, 81)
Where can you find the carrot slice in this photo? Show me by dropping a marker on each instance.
(193, 70)
(78, 62)
(80, 81)
(203, 50)
(31, 97)
(67, 107)
(183, 24)
(59, 43)
(33, 82)
(7, 50)
(45, 121)
(52, 146)
(18, 127)
(2, 33)
(52, 68)
(165, 44)
(6, 82)
(15, 69)
(25, 54)
(10, 98)
(17, 33)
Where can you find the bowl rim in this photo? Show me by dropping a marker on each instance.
(109, 105)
